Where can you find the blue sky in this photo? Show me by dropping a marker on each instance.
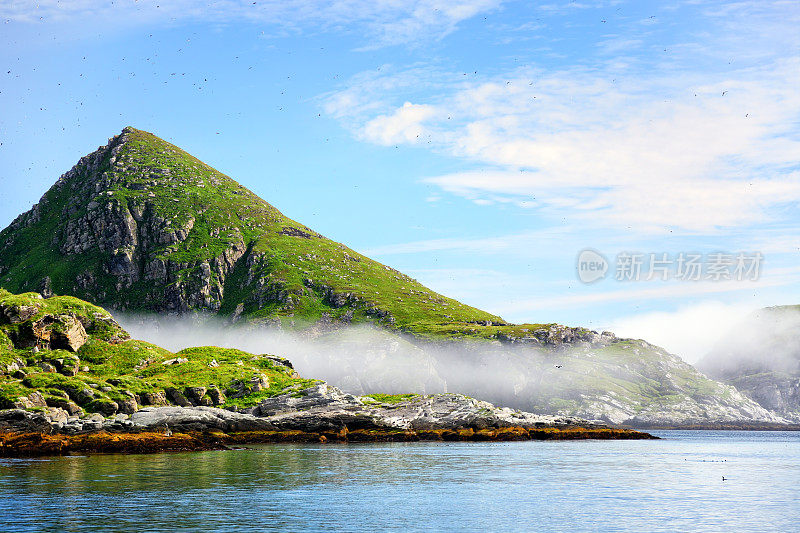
(478, 146)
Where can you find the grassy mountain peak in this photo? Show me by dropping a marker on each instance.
(141, 225)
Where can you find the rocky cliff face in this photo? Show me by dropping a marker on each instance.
(141, 225)
(761, 358)
(592, 376)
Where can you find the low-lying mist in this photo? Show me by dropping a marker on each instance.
(364, 359)
(581, 380)
(767, 340)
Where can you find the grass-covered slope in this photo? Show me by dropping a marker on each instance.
(142, 225)
(97, 367)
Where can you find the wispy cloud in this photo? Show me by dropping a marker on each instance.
(704, 154)
(382, 22)
(667, 146)
(530, 243)
(664, 290)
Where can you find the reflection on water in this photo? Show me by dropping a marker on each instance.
(667, 485)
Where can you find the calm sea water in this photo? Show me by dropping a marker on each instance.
(674, 484)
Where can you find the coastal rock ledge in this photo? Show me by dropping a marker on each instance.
(320, 413)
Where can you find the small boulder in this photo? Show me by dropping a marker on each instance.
(69, 370)
(84, 396)
(67, 405)
(195, 394)
(217, 398)
(103, 405)
(19, 313)
(36, 399)
(153, 398)
(282, 361)
(128, 406)
(57, 416)
(259, 382)
(70, 335)
(22, 403)
(241, 388)
(177, 397)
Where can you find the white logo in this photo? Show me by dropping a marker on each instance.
(592, 266)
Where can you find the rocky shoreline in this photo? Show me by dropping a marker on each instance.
(16, 444)
(320, 413)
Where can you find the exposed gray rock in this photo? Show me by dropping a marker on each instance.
(128, 405)
(16, 314)
(197, 419)
(153, 398)
(46, 287)
(217, 397)
(319, 408)
(36, 399)
(22, 420)
(82, 396)
(322, 407)
(67, 405)
(177, 397)
(195, 394)
(47, 332)
(104, 406)
(71, 336)
(243, 388)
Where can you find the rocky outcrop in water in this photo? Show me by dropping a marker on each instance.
(319, 408)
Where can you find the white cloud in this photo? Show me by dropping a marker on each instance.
(690, 152)
(383, 22)
(701, 139)
(405, 125)
(427, 17)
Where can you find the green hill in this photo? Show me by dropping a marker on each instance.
(67, 353)
(141, 225)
